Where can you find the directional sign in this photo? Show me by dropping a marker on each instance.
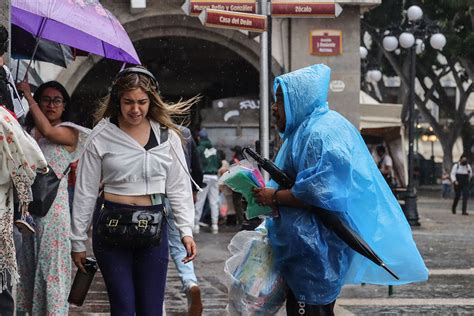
(234, 20)
(195, 7)
(305, 9)
(326, 42)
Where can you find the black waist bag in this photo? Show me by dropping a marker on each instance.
(44, 189)
(131, 228)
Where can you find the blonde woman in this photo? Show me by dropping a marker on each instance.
(136, 164)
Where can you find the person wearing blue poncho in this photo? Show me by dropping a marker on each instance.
(334, 170)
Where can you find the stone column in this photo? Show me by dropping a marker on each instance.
(5, 20)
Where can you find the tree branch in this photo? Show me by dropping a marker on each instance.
(458, 80)
(463, 100)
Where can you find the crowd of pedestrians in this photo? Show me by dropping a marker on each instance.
(142, 182)
(133, 127)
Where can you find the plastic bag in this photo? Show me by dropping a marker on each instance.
(242, 178)
(223, 207)
(254, 287)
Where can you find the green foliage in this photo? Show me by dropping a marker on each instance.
(455, 19)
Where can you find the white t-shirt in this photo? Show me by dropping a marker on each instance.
(386, 161)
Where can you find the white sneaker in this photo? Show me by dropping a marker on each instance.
(196, 229)
(215, 228)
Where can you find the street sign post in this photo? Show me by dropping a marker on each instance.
(195, 7)
(221, 14)
(305, 9)
(233, 20)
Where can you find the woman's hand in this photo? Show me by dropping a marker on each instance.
(79, 258)
(191, 248)
(24, 87)
(263, 196)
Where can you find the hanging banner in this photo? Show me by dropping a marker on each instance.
(326, 42)
(195, 7)
(234, 20)
(305, 9)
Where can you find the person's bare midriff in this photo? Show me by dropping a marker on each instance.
(143, 200)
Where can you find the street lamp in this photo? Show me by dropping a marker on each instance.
(373, 75)
(412, 37)
(430, 136)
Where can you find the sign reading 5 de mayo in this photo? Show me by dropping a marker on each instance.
(233, 20)
(195, 7)
(326, 42)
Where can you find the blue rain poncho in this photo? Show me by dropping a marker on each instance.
(334, 170)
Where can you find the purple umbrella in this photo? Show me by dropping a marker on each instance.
(83, 24)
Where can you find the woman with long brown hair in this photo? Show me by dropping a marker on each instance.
(135, 151)
(44, 262)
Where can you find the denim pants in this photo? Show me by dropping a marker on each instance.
(178, 252)
(210, 191)
(135, 277)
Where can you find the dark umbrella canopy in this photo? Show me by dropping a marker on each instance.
(328, 218)
(23, 46)
(20, 67)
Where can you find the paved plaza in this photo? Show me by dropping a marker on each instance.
(445, 241)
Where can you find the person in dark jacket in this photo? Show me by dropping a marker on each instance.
(177, 251)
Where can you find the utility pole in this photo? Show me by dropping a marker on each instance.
(264, 87)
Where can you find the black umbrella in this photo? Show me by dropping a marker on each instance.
(24, 44)
(328, 218)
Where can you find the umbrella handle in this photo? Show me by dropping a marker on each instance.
(31, 60)
(43, 22)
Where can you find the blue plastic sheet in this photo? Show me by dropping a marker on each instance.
(334, 170)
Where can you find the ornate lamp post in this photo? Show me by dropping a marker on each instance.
(430, 136)
(412, 38)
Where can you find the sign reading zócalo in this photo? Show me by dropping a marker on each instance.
(233, 20)
(195, 7)
(302, 9)
(326, 42)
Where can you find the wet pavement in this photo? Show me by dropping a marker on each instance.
(445, 241)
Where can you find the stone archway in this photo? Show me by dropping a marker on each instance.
(172, 26)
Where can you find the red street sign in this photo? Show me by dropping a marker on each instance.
(285, 8)
(234, 20)
(326, 42)
(195, 7)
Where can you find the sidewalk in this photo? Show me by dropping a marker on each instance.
(445, 241)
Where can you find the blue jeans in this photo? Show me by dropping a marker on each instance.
(178, 252)
(135, 277)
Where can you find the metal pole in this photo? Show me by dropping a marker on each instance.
(410, 202)
(264, 91)
(433, 165)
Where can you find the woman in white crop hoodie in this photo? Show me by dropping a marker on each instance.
(124, 153)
